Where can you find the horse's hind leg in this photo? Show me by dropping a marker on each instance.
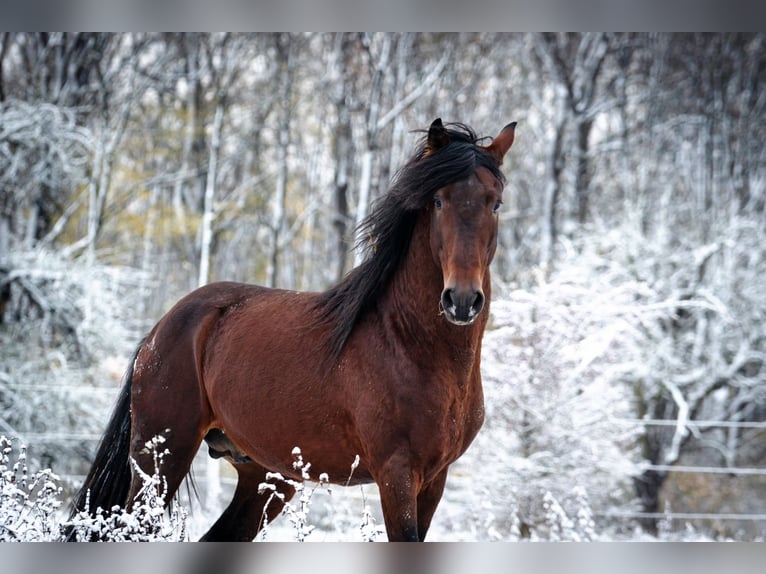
(179, 448)
(172, 412)
(245, 515)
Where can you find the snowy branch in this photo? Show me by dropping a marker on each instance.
(681, 432)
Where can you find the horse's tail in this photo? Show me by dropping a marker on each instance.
(108, 481)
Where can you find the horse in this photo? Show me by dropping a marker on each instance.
(383, 366)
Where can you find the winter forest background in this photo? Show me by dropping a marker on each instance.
(624, 364)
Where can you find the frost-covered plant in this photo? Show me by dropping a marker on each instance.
(28, 503)
(665, 524)
(552, 361)
(65, 324)
(298, 512)
(584, 523)
(370, 529)
(562, 527)
(146, 521)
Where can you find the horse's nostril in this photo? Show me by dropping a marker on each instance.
(447, 302)
(478, 304)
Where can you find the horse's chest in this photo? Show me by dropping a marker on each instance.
(466, 415)
(454, 415)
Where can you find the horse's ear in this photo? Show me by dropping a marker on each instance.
(437, 136)
(502, 143)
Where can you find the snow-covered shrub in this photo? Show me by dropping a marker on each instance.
(44, 159)
(28, 502)
(64, 325)
(561, 527)
(701, 320)
(30, 506)
(146, 521)
(296, 510)
(623, 329)
(297, 514)
(552, 361)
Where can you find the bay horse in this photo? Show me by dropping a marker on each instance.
(384, 365)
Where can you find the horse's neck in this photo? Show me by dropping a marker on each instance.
(413, 306)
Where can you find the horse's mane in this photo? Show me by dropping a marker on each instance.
(385, 234)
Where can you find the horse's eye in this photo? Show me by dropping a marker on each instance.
(438, 202)
(497, 205)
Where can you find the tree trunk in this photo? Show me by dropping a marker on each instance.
(648, 486)
(5, 40)
(368, 158)
(193, 141)
(552, 192)
(582, 175)
(574, 61)
(343, 150)
(280, 193)
(208, 213)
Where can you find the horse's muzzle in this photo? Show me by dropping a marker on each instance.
(461, 307)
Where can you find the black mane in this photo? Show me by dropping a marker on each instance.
(385, 234)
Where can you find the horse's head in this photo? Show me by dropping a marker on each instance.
(464, 220)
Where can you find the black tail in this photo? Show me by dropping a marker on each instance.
(108, 481)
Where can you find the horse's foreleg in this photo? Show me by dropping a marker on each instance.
(398, 499)
(428, 500)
